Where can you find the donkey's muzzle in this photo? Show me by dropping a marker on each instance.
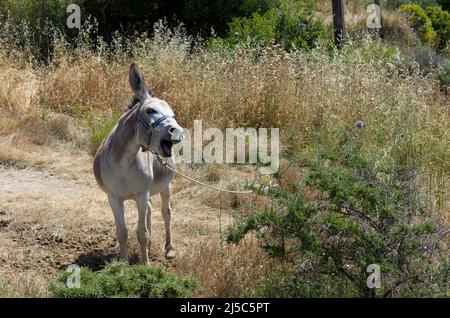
(176, 134)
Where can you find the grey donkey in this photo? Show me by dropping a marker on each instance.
(124, 170)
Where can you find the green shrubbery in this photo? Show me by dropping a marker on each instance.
(122, 280)
(440, 21)
(421, 23)
(432, 24)
(350, 210)
(99, 130)
(444, 74)
(393, 4)
(290, 24)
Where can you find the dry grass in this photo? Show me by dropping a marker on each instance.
(54, 214)
(228, 270)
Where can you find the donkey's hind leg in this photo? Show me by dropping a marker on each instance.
(143, 232)
(166, 211)
(121, 228)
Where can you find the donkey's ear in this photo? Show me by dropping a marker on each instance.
(137, 83)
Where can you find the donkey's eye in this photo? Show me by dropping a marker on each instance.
(151, 111)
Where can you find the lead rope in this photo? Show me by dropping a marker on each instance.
(165, 163)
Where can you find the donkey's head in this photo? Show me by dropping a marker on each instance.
(156, 128)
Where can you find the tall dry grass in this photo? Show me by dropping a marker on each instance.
(311, 96)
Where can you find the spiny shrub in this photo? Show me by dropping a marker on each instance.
(421, 22)
(347, 211)
(118, 279)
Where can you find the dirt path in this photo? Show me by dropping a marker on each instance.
(14, 182)
(54, 215)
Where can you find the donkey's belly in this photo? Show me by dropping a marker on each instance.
(131, 184)
(156, 188)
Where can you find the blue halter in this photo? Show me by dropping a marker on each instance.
(154, 125)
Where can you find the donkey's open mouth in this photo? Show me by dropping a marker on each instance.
(166, 146)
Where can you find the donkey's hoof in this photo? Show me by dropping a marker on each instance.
(170, 254)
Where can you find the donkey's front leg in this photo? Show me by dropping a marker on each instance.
(121, 228)
(143, 232)
(166, 211)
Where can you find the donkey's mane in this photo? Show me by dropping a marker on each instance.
(131, 104)
(125, 130)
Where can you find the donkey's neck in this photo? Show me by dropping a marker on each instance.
(125, 143)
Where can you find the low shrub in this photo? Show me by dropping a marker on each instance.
(350, 210)
(444, 74)
(398, 30)
(425, 57)
(291, 25)
(440, 21)
(118, 279)
(394, 4)
(421, 23)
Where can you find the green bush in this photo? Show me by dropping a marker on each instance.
(349, 211)
(118, 279)
(440, 21)
(290, 24)
(259, 28)
(394, 4)
(444, 74)
(421, 23)
(298, 31)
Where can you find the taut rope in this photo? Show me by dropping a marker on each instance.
(165, 163)
(147, 148)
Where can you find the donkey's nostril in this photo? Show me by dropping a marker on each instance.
(176, 134)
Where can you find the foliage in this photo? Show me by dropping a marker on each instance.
(444, 74)
(394, 4)
(290, 24)
(421, 23)
(200, 17)
(440, 20)
(348, 211)
(99, 130)
(259, 28)
(118, 279)
(425, 57)
(296, 28)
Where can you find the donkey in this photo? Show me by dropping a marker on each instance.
(125, 170)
